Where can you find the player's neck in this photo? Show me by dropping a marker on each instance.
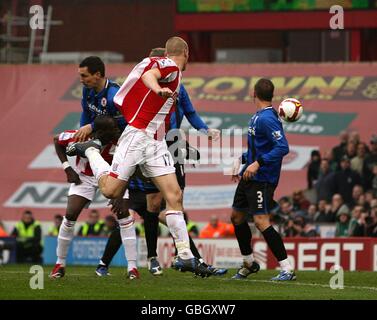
(101, 85)
(263, 104)
(179, 61)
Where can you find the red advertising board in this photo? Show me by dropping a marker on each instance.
(304, 253)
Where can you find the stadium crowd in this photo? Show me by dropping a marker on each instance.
(342, 185)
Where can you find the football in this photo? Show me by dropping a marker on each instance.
(290, 110)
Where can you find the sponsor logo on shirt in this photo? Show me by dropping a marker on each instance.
(95, 109)
(277, 135)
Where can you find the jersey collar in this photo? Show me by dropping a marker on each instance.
(266, 108)
(103, 90)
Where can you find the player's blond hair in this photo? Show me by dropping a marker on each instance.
(176, 46)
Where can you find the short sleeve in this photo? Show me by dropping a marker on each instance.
(66, 137)
(167, 67)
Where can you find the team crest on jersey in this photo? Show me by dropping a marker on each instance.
(252, 130)
(103, 102)
(276, 135)
(115, 167)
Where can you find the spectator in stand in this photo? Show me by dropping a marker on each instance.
(93, 227)
(374, 181)
(356, 214)
(354, 137)
(54, 230)
(373, 203)
(338, 206)
(299, 201)
(279, 217)
(288, 230)
(324, 213)
(350, 149)
(363, 202)
(367, 224)
(217, 229)
(345, 180)
(28, 235)
(369, 196)
(285, 210)
(312, 211)
(342, 224)
(325, 182)
(358, 164)
(334, 165)
(3, 233)
(372, 224)
(339, 151)
(313, 168)
(360, 228)
(298, 227)
(371, 159)
(357, 193)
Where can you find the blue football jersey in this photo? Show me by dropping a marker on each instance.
(101, 103)
(267, 144)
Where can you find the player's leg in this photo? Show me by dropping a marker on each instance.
(127, 233)
(261, 201)
(172, 194)
(243, 232)
(276, 245)
(76, 203)
(115, 239)
(112, 246)
(151, 222)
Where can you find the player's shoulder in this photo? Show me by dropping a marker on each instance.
(112, 89)
(164, 62)
(268, 115)
(67, 136)
(113, 85)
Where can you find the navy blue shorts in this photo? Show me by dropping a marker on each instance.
(254, 197)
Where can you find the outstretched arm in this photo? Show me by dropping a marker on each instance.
(189, 111)
(193, 117)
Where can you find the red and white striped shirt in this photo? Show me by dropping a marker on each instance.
(140, 106)
(82, 164)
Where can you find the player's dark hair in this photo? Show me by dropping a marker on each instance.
(94, 64)
(105, 129)
(103, 122)
(264, 89)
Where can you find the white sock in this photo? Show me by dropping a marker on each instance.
(99, 166)
(128, 235)
(177, 227)
(285, 265)
(64, 239)
(248, 259)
